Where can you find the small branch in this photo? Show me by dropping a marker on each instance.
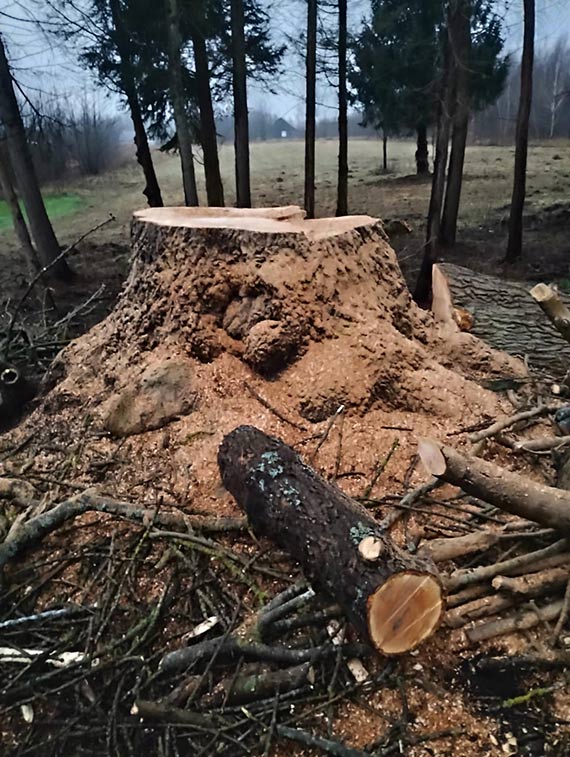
(37, 528)
(533, 584)
(527, 618)
(460, 578)
(41, 273)
(541, 445)
(509, 491)
(380, 469)
(268, 406)
(407, 501)
(564, 613)
(504, 423)
(329, 746)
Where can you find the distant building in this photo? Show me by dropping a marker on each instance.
(282, 129)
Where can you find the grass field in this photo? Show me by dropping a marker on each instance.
(56, 206)
(277, 178)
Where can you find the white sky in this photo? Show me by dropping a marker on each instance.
(40, 66)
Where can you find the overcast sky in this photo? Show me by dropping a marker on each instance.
(40, 66)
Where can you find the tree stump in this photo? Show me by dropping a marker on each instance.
(393, 598)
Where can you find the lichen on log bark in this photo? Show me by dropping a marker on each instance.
(396, 601)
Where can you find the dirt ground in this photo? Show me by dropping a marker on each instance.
(361, 344)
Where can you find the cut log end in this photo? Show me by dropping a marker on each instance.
(404, 611)
(542, 293)
(370, 548)
(432, 457)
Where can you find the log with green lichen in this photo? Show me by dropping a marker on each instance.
(393, 598)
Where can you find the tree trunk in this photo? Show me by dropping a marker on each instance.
(460, 41)
(178, 100)
(20, 227)
(422, 154)
(311, 75)
(392, 597)
(21, 160)
(144, 157)
(241, 124)
(422, 291)
(514, 245)
(342, 189)
(214, 186)
(503, 314)
(384, 151)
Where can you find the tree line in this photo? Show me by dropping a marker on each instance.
(413, 65)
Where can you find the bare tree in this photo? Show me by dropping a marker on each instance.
(208, 138)
(11, 120)
(311, 79)
(241, 124)
(514, 246)
(129, 88)
(18, 220)
(342, 188)
(178, 100)
(460, 48)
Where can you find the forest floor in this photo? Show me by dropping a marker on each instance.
(140, 597)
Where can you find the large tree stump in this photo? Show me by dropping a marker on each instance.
(394, 598)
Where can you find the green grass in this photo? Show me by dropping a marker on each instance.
(56, 205)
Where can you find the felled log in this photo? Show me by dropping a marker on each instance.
(502, 488)
(503, 314)
(393, 598)
(528, 617)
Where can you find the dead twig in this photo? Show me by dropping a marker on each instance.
(268, 406)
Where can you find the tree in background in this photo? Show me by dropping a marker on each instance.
(239, 86)
(395, 69)
(514, 245)
(178, 99)
(20, 160)
(342, 183)
(107, 46)
(310, 107)
(479, 72)
(199, 24)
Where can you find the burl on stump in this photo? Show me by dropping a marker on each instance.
(392, 597)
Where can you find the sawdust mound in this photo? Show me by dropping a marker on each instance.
(308, 315)
(319, 307)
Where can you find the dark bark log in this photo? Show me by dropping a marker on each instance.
(128, 84)
(178, 100)
(511, 492)
(342, 189)
(460, 42)
(241, 123)
(42, 231)
(311, 75)
(504, 316)
(396, 601)
(214, 186)
(422, 154)
(514, 246)
(18, 220)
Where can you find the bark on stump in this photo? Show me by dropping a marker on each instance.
(396, 600)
